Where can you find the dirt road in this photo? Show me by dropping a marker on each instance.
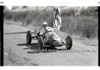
(17, 53)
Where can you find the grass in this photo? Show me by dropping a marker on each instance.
(86, 41)
(13, 59)
(85, 24)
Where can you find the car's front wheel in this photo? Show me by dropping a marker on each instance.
(28, 37)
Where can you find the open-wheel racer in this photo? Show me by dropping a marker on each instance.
(47, 37)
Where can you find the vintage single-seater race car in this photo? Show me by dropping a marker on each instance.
(43, 42)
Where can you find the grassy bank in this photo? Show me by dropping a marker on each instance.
(84, 24)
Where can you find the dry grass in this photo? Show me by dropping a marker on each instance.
(85, 24)
(86, 41)
(12, 59)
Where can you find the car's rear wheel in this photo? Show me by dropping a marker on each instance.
(68, 42)
(28, 37)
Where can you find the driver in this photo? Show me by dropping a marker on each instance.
(49, 35)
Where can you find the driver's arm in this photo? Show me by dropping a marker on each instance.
(40, 28)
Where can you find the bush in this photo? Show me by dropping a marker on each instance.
(84, 25)
(8, 14)
(90, 11)
(68, 12)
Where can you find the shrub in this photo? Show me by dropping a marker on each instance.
(84, 25)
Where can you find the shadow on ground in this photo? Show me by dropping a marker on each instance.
(17, 33)
(35, 49)
(32, 46)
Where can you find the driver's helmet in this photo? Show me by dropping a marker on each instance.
(44, 24)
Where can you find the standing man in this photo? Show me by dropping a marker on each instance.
(57, 21)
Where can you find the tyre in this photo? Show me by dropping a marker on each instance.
(40, 42)
(68, 42)
(28, 37)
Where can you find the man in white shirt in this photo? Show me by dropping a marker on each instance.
(49, 35)
(57, 21)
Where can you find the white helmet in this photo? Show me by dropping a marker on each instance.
(45, 23)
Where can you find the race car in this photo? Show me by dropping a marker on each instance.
(44, 42)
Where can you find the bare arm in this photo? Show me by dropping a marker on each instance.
(39, 29)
